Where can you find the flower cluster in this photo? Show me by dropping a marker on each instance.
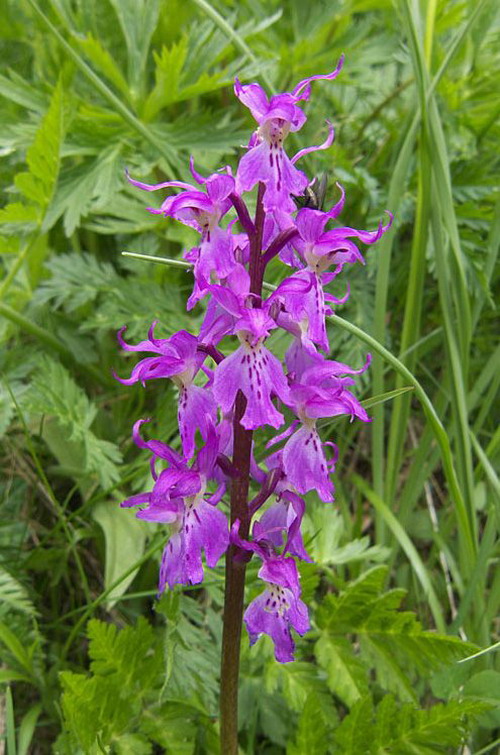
(246, 387)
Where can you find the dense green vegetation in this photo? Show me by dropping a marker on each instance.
(405, 582)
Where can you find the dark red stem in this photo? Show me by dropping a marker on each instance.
(236, 559)
(277, 245)
(243, 214)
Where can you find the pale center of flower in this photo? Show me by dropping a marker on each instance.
(274, 131)
(246, 338)
(276, 601)
(308, 422)
(208, 221)
(317, 263)
(183, 379)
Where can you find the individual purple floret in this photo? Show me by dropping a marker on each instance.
(251, 369)
(319, 392)
(279, 608)
(203, 211)
(179, 498)
(266, 160)
(180, 359)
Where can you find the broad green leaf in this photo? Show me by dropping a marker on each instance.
(125, 538)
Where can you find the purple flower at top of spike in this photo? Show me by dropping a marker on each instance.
(178, 358)
(278, 609)
(179, 498)
(266, 160)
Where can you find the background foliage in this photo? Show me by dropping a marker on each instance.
(405, 582)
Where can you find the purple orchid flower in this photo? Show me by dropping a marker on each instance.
(266, 160)
(241, 392)
(321, 391)
(203, 211)
(180, 359)
(252, 368)
(278, 609)
(179, 498)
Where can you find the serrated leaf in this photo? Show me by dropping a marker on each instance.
(407, 730)
(346, 675)
(13, 594)
(168, 68)
(354, 736)
(311, 737)
(75, 280)
(54, 393)
(44, 154)
(103, 61)
(391, 641)
(17, 212)
(80, 187)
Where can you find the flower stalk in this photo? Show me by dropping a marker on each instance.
(246, 387)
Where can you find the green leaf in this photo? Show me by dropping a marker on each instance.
(404, 730)
(54, 393)
(392, 642)
(27, 729)
(312, 730)
(103, 61)
(354, 735)
(347, 675)
(325, 527)
(168, 68)
(13, 594)
(125, 538)
(17, 212)
(137, 20)
(485, 687)
(125, 666)
(17, 649)
(44, 155)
